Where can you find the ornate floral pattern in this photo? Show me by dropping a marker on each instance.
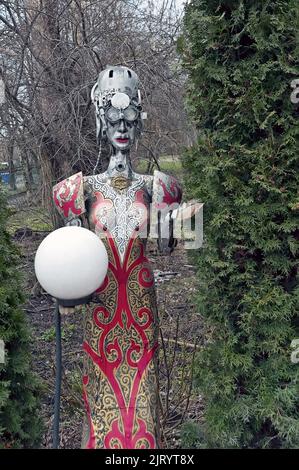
(166, 190)
(68, 196)
(119, 212)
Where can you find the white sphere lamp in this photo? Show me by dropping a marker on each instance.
(71, 263)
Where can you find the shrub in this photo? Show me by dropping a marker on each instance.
(19, 422)
(241, 57)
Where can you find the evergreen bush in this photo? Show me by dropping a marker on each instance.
(241, 57)
(20, 425)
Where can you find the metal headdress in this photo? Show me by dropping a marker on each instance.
(116, 86)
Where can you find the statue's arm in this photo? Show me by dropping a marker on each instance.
(69, 199)
(166, 198)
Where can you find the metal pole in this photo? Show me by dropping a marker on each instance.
(57, 379)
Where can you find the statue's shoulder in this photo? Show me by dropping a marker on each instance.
(166, 188)
(148, 183)
(68, 196)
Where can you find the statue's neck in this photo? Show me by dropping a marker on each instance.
(120, 164)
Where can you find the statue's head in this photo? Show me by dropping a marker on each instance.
(117, 100)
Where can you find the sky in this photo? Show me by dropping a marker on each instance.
(180, 3)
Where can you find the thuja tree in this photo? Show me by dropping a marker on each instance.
(241, 57)
(19, 422)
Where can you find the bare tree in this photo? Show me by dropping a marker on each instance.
(52, 52)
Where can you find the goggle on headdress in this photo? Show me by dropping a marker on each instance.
(116, 96)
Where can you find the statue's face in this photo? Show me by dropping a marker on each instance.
(121, 134)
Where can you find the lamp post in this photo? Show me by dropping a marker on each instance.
(71, 263)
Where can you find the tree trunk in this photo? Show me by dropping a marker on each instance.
(12, 175)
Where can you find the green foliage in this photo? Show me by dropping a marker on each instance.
(19, 422)
(50, 334)
(168, 164)
(34, 218)
(241, 57)
(191, 435)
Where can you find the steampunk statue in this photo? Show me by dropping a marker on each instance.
(120, 385)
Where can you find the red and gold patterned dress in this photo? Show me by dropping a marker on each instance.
(120, 385)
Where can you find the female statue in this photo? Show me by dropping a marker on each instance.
(120, 384)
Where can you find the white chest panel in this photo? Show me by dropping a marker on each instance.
(120, 212)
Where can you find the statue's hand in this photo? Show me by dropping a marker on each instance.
(66, 310)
